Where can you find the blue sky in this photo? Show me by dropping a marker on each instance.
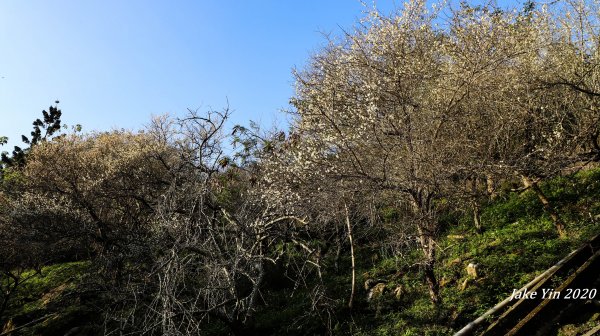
(112, 64)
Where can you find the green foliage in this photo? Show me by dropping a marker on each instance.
(519, 241)
(43, 129)
(514, 207)
(52, 296)
(390, 214)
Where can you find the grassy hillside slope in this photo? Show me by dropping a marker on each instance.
(518, 242)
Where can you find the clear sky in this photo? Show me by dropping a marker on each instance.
(112, 64)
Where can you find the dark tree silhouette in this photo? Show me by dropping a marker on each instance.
(43, 129)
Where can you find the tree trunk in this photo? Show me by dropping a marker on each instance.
(426, 227)
(4, 304)
(477, 216)
(338, 254)
(428, 247)
(475, 205)
(558, 223)
(351, 300)
(8, 292)
(339, 239)
(491, 186)
(432, 283)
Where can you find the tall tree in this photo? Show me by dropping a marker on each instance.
(524, 128)
(373, 111)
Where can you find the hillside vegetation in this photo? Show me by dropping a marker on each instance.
(435, 159)
(517, 244)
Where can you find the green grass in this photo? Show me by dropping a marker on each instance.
(51, 293)
(519, 242)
